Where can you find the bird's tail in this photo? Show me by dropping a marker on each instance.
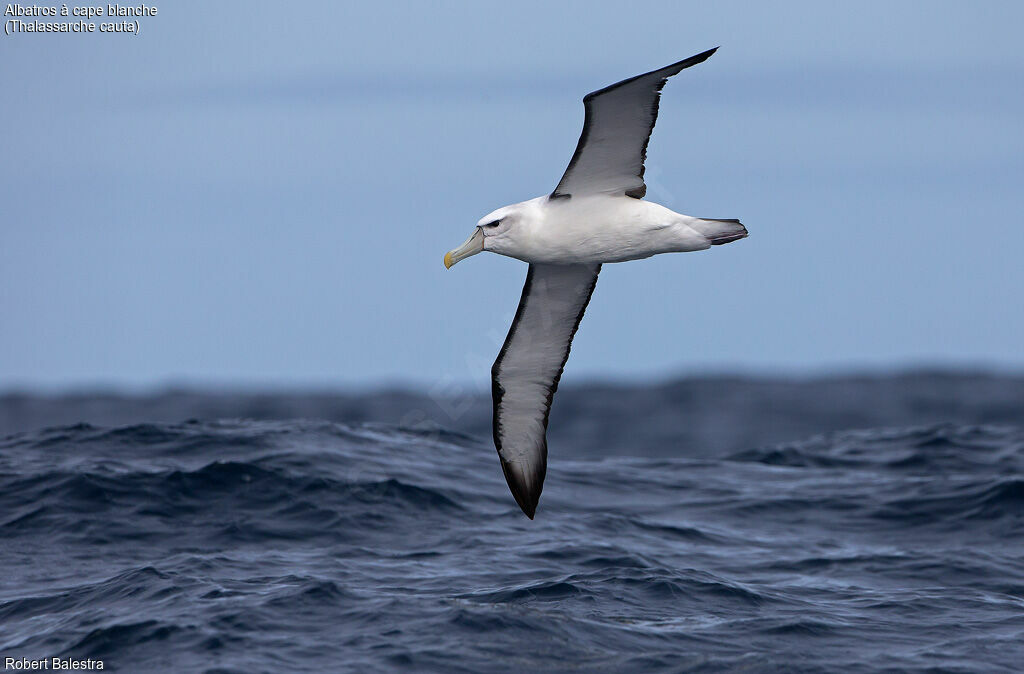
(719, 231)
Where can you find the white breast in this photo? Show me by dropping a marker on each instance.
(600, 228)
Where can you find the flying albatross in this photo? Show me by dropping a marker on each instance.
(595, 214)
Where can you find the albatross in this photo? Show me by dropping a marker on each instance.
(595, 215)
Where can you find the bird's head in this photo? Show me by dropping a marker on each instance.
(495, 232)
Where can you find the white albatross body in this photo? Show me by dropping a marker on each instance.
(593, 228)
(595, 215)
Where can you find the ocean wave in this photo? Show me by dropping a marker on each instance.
(942, 448)
(240, 545)
(956, 500)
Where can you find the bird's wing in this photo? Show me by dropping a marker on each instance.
(610, 155)
(525, 375)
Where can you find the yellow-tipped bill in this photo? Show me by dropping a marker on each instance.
(473, 245)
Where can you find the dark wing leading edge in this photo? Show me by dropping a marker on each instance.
(610, 154)
(525, 375)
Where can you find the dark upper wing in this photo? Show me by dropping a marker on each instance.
(525, 375)
(610, 154)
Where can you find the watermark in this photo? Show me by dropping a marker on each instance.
(54, 664)
(28, 19)
(449, 397)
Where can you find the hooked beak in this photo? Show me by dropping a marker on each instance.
(473, 245)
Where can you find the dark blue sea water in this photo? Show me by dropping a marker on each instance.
(705, 525)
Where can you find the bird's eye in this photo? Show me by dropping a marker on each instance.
(493, 224)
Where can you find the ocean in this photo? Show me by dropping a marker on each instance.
(706, 524)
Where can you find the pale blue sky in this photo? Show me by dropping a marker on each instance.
(254, 193)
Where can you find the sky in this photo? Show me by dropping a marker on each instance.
(255, 194)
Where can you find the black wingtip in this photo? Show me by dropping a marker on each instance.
(678, 66)
(703, 56)
(527, 502)
(525, 491)
(526, 497)
(692, 61)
